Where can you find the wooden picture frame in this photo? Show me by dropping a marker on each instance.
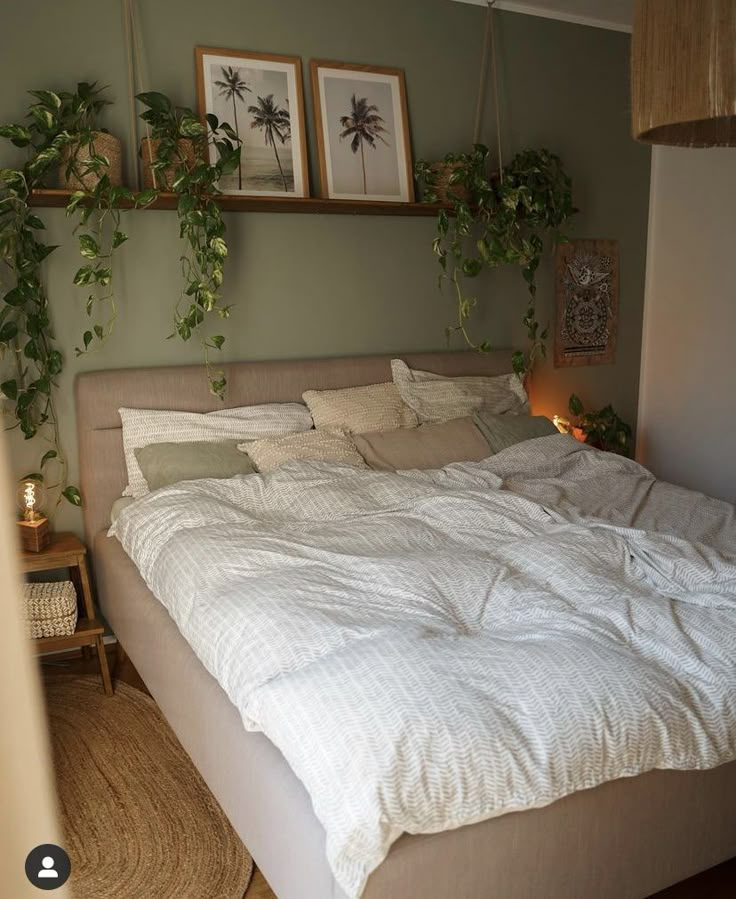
(587, 287)
(274, 153)
(341, 91)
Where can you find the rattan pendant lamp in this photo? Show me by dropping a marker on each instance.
(683, 72)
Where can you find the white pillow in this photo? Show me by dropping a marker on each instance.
(324, 445)
(436, 398)
(141, 427)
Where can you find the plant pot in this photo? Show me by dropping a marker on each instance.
(104, 144)
(164, 178)
(447, 193)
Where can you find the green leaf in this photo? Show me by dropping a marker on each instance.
(72, 495)
(88, 246)
(575, 405)
(99, 331)
(51, 454)
(33, 476)
(518, 363)
(118, 237)
(54, 362)
(84, 275)
(218, 341)
(15, 297)
(8, 331)
(18, 134)
(156, 101)
(33, 221)
(10, 389)
(144, 197)
(48, 98)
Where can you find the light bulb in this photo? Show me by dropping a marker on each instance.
(31, 498)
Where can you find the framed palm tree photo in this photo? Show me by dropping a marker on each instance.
(260, 97)
(362, 132)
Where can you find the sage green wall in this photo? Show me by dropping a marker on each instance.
(330, 285)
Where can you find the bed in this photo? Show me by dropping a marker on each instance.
(626, 838)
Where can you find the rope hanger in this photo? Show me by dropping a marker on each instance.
(489, 43)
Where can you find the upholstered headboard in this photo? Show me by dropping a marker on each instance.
(101, 394)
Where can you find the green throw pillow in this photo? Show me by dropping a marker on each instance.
(168, 463)
(502, 431)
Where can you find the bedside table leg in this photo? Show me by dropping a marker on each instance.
(104, 668)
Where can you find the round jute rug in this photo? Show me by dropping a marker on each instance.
(139, 821)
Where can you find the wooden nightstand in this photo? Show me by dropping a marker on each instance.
(67, 551)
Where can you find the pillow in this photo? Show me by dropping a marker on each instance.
(120, 503)
(144, 426)
(502, 431)
(377, 407)
(316, 446)
(437, 398)
(428, 446)
(168, 463)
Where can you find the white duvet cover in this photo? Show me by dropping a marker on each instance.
(430, 649)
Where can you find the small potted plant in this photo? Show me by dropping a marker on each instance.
(604, 429)
(194, 179)
(91, 152)
(497, 219)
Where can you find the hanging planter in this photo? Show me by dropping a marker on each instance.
(443, 181)
(184, 153)
(77, 170)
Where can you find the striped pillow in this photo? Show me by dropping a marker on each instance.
(435, 398)
(142, 427)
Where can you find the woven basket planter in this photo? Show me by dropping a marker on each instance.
(165, 178)
(50, 609)
(104, 144)
(446, 193)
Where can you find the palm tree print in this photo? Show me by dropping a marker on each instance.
(365, 126)
(275, 123)
(233, 88)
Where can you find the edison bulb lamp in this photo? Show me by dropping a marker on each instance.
(34, 526)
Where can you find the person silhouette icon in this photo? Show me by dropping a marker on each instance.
(48, 867)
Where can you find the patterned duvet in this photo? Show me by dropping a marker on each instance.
(430, 649)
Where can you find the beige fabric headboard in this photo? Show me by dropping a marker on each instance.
(100, 395)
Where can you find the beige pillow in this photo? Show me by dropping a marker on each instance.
(376, 407)
(428, 446)
(436, 398)
(315, 446)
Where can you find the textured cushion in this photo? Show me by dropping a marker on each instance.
(428, 446)
(168, 463)
(317, 446)
(436, 398)
(502, 431)
(144, 426)
(377, 407)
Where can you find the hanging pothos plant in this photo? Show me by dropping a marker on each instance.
(182, 162)
(497, 220)
(62, 134)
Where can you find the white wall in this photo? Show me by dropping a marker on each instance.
(687, 398)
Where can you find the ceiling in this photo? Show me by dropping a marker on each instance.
(613, 14)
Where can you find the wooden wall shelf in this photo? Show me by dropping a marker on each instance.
(313, 205)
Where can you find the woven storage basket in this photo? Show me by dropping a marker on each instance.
(51, 609)
(104, 144)
(149, 148)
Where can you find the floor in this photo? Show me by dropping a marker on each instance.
(717, 883)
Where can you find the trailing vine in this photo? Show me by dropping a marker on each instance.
(25, 327)
(494, 221)
(182, 156)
